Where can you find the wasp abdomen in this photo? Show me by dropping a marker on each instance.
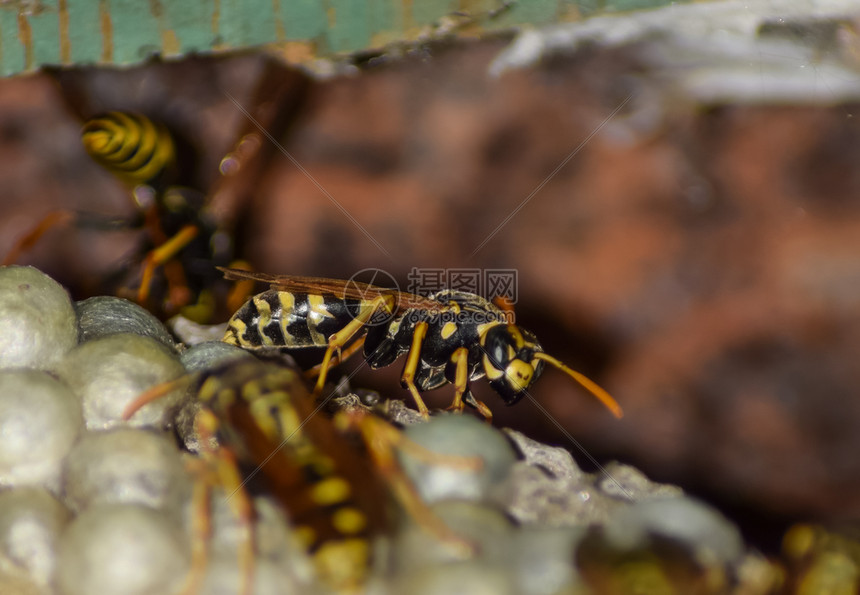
(133, 147)
(327, 488)
(291, 319)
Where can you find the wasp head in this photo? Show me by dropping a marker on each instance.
(509, 360)
(513, 360)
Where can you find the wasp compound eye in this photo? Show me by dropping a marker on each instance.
(499, 347)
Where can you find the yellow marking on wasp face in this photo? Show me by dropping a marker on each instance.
(349, 521)
(511, 353)
(265, 311)
(519, 374)
(448, 329)
(492, 372)
(517, 335)
(331, 491)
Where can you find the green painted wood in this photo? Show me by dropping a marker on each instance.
(127, 32)
(83, 21)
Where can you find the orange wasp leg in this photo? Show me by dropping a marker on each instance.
(201, 526)
(217, 467)
(461, 379)
(339, 339)
(412, 359)
(52, 219)
(160, 256)
(228, 476)
(381, 439)
(339, 358)
(461, 383)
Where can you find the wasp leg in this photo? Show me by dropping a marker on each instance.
(462, 394)
(53, 219)
(223, 461)
(156, 392)
(339, 358)
(339, 339)
(381, 439)
(201, 526)
(160, 256)
(482, 408)
(412, 359)
(460, 358)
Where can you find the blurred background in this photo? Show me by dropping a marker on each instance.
(681, 203)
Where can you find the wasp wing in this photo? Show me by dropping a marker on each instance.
(338, 287)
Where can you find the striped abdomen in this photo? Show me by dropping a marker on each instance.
(130, 146)
(328, 490)
(291, 319)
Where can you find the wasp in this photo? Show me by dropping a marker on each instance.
(180, 241)
(180, 238)
(257, 424)
(447, 337)
(820, 560)
(185, 214)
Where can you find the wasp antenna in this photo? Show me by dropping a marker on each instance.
(156, 392)
(586, 383)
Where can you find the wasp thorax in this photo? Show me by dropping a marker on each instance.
(509, 361)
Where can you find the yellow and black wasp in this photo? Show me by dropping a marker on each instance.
(258, 425)
(180, 238)
(180, 242)
(448, 337)
(820, 560)
(183, 233)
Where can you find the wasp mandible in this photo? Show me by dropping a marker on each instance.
(448, 337)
